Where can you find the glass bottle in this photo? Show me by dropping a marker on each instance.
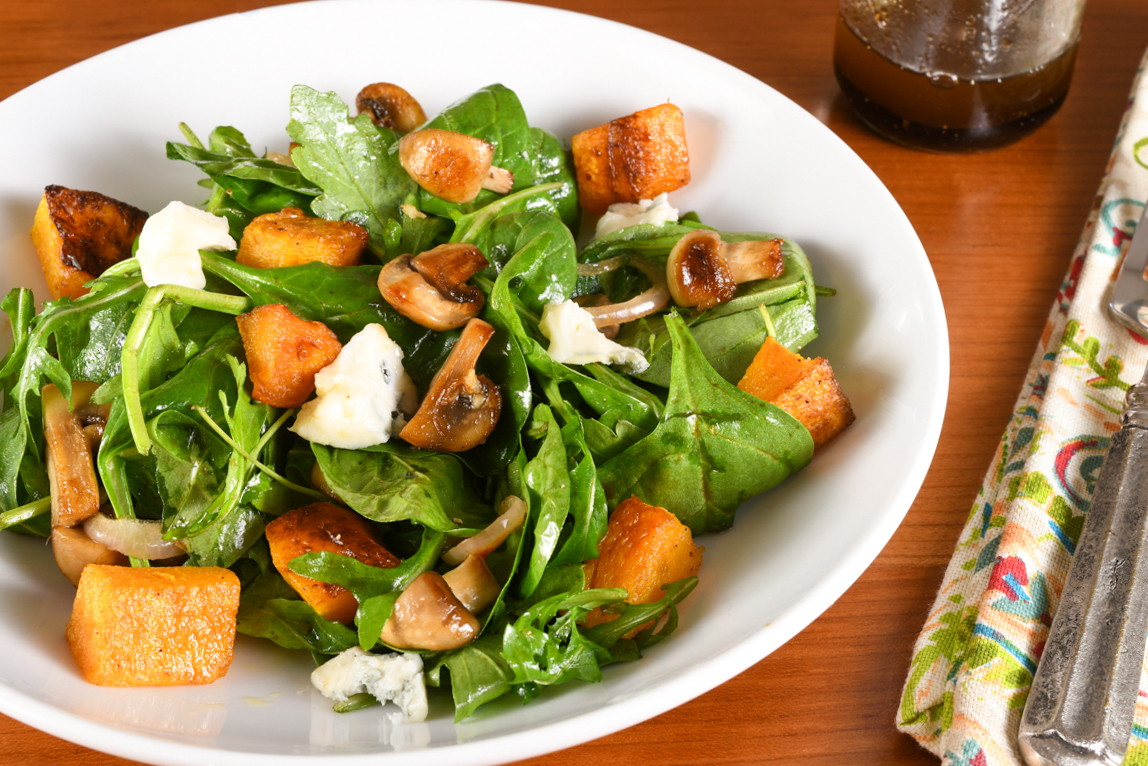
(956, 75)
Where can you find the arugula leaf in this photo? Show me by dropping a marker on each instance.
(270, 608)
(351, 161)
(715, 447)
(29, 362)
(231, 155)
(375, 588)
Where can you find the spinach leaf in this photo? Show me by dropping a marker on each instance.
(525, 283)
(478, 674)
(546, 267)
(391, 482)
(715, 447)
(548, 481)
(729, 340)
(351, 161)
(588, 517)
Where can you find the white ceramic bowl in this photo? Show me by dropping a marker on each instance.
(759, 162)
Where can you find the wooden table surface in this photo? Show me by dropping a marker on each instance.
(999, 229)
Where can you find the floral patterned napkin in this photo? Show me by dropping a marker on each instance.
(974, 660)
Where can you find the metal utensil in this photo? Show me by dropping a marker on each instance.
(1084, 693)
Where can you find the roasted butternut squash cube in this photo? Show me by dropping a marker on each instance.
(291, 238)
(283, 354)
(79, 234)
(153, 626)
(645, 547)
(324, 527)
(774, 368)
(631, 158)
(805, 388)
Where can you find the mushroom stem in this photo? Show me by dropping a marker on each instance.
(71, 469)
(754, 259)
(473, 584)
(499, 180)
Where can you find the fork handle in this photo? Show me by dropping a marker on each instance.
(1083, 697)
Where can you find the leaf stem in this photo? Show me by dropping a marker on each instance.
(266, 437)
(26, 512)
(137, 334)
(482, 217)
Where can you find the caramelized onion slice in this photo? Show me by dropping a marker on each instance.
(137, 538)
(513, 513)
(651, 301)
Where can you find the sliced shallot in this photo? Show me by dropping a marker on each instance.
(137, 538)
(513, 514)
(656, 298)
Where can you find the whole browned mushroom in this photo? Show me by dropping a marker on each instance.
(461, 408)
(427, 615)
(704, 271)
(390, 106)
(431, 288)
(452, 166)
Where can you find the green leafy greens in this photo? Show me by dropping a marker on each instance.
(185, 443)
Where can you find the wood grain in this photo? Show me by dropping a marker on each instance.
(999, 229)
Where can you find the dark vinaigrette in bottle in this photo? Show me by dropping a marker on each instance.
(943, 113)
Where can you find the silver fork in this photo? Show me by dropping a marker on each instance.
(1083, 697)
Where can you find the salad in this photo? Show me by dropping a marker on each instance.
(210, 466)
